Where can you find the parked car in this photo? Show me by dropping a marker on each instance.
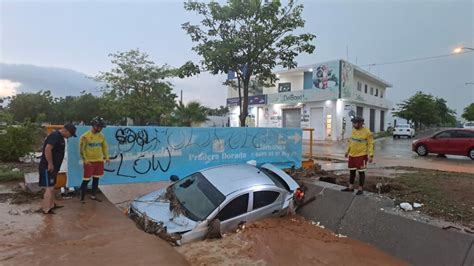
(215, 199)
(452, 141)
(403, 130)
(468, 125)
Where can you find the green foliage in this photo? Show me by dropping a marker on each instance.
(34, 107)
(468, 113)
(5, 116)
(7, 175)
(426, 110)
(249, 37)
(137, 87)
(221, 111)
(187, 115)
(18, 141)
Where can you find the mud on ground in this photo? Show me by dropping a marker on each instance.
(444, 195)
(284, 241)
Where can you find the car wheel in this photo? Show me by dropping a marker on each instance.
(422, 150)
(471, 154)
(394, 136)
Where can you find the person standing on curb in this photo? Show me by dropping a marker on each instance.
(50, 163)
(360, 151)
(94, 150)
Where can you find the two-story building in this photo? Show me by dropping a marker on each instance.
(322, 96)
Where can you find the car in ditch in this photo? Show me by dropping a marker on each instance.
(214, 201)
(456, 141)
(403, 131)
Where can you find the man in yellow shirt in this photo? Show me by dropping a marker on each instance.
(94, 151)
(360, 152)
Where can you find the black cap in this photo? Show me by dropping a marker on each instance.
(357, 119)
(71, 128)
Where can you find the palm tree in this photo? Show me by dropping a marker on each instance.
(186, 115)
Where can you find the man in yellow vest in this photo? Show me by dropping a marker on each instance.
(94, 151)
(360, 151)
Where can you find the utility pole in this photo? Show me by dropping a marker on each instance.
(181, 97)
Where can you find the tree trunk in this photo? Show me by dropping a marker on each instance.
(245, 103)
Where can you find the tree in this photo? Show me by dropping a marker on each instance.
(187, 115)
(31, 106)
(248, 37)
(221, 111)
(138, 88)
(447, 116)
(426, 110)
(468, 113)
(79, 108)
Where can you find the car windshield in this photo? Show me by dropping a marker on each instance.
(470, 124)
(403, 126)
(197, 196)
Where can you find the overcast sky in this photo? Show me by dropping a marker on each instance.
(78, 35)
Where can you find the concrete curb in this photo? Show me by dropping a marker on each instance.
(373, 219)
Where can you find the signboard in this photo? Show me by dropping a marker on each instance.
(347, 79)
(145, 154)
(301, 96)
(326, 76)
(253, 100)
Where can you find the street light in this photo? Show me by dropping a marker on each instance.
(461, 49)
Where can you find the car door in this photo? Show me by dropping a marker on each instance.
(234, 213)
(265, 203)
(460, 142)
(441, 141)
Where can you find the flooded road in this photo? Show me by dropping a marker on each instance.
(94, 233)
(391, 152)
(98, 233)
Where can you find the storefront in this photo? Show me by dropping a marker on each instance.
(322, 97)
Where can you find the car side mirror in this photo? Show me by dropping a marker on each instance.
(174, 178)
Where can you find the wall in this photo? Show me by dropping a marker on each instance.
(296, 80)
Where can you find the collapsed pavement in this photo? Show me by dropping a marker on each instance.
(374, 219)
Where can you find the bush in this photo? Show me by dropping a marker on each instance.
(9, 175)
(17, 141)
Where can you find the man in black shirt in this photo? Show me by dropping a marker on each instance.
(51, 160)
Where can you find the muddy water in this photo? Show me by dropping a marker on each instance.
(285, 241)
(94, 233)
(99, 234)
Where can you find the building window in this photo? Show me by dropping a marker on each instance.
(376, 92)
(371, 90)
(381, 93)
(360, 111)
(359, 86)
(284, 87)
(365, 88)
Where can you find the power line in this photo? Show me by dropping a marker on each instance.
(415, 59)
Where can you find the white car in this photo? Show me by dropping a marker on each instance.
(468, 125)
(403, 130)
(216, 199)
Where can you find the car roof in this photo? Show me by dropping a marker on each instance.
(234, 177)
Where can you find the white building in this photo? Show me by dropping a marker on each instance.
(319, 96)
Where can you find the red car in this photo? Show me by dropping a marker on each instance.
(452, 141)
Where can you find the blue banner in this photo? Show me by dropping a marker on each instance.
(145, 154)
